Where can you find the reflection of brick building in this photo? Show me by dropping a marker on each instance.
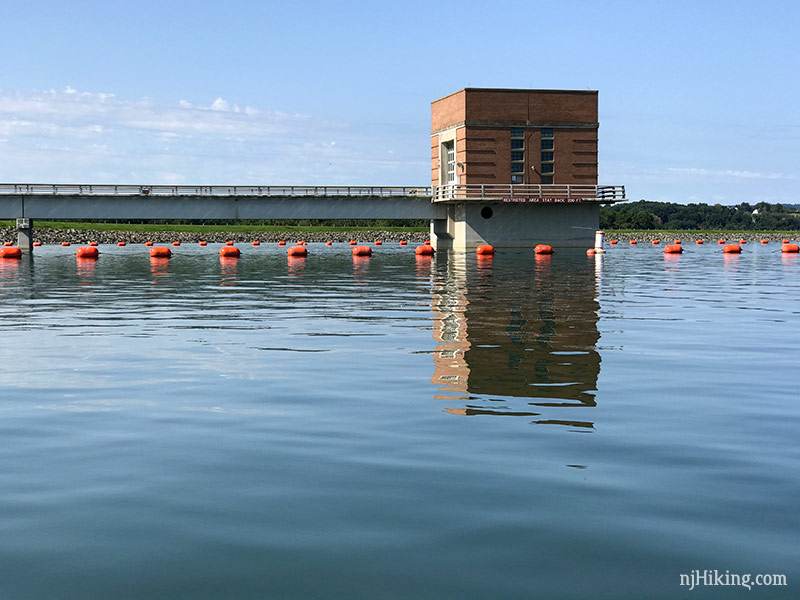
(499, 136)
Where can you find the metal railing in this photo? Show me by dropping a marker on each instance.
(528, 193)
(70, 189)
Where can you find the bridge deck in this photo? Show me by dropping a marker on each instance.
(85, 201)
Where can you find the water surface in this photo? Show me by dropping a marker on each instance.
(397, 427)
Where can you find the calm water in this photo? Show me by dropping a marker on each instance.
(398, 428)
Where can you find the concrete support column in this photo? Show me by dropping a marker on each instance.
(25, 234)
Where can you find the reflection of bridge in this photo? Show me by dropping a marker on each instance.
(527, 349)
(460, 215)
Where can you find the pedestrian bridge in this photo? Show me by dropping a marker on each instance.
(461, 215)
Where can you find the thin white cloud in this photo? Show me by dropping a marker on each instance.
(58, 136)
(729, 173)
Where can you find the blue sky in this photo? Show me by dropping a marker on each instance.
(698, 100)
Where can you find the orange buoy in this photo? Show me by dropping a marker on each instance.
(282, 243)
(229, 251)
(297, 251)
(378, 242)
(784, 241)
(403, 243)
(742, 241)
(677, 242)
(427, 242)
(485, 250)
(699, 242)
(229, 243)
(656, 242)
(613, 242)
(202, 243)
(543, 249)
(673, 249)
(732, 249)
(160, 252)
(790, 248)
(720, 241)
(362, 251)
(633, 242)
(87, 252)
(176, 243)
(328, 243)
(424, 250)
(10, 252)
(120, 243)
(65, 243)
(256, 243)
(148, 243)
(6, 244)
(37, 243)
(590, 252)
(93, 243)
(352, 242)
(765, 241)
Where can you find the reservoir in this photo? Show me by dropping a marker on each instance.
(396, 426)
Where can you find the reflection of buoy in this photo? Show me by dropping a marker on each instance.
(160, 252)
(229, 251)
(297, 251)
(543, 249)
(362, 251)
(424, 250)
(403, 242)
(790, 248)
(485, 249)
(731, 249)
(10, 252)
(87, 252)
(673, 249)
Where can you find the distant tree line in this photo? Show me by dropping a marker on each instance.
(667, 215)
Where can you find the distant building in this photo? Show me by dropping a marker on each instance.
(501, 136)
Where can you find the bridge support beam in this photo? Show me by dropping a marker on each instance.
(516, 225)
(25, 234)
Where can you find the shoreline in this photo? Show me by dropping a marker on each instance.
(84, 236)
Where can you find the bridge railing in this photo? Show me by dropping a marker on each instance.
(528, 192)
(70, 189)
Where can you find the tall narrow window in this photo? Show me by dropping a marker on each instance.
(548, 155)
(449, 151)
(517, 155)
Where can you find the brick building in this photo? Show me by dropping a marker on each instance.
(502, 136)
